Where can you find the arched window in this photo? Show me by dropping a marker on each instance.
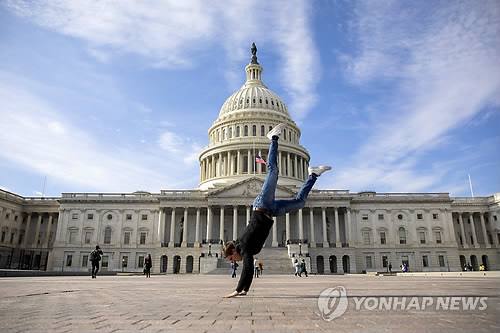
(237, 131)
(402, 235)
(224, 134)
(107, 235)
(230, 132)
(284, 135)
(254, 130)
(245, 133)
(262, 130)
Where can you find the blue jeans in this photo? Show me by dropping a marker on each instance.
(265, 199)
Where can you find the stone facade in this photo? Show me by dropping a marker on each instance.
(336, 232)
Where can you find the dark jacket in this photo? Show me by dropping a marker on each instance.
(249, 244)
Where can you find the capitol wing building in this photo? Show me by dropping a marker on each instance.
(336, 232)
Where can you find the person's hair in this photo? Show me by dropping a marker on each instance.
(97, 247)
(227, 250)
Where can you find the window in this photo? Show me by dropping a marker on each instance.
(69, 260)
(140, 262)
(128, 217)
(15, 218)
(3, 236)
(425, 261)
(88, 237)
(402, 236)
(105, 261)
(230, 132)
(365, 217)
(72, 237)
(494, 217)
(85, 260)
(12, 237)
(224, 134)
(245, 164)
(124, 261)
(126, 238)
(400, 217)
(21, 237)
(384, 261)
(382, 238)
(74, 216)
(422, 237)
(368, 262)
(441, 261)
(144, 217)
(90, 216)
(7, 216)
(110, 216)
(254, 130)
(435, 216)
(438, 237)
(107, 235)
(380, 217)
(143, 238)
(284, 135)
(237, 131)
(245, 130)
(366, 237)
(420, 217)
(262, 130)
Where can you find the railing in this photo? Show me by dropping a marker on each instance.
(212, 241)
(477, 200)
(106, 195)
(296, 241)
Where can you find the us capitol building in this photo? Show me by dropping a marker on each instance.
(336, 232)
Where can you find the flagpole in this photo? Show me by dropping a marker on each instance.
(470, 184)
(254, 160)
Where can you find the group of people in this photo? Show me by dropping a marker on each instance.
(95, 258)
(404, 267)
(300, 268)
(468, 267)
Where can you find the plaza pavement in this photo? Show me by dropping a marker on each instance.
(278, 303)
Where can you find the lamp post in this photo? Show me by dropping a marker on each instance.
(209, 249)
(300, 248)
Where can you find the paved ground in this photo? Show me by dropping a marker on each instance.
(192, 303)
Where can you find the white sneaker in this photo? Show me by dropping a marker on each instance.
(276, 131)
(319, 170)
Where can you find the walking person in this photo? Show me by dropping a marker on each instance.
(297, 268)
(303, 268)
(234, 266)
(256, 267)
(94, 258)
(148, 263)
(265, 207)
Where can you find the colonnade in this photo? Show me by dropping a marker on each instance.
(468, 238)
(240, 162)
(17, 235)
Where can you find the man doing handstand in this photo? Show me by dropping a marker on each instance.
(265, 207)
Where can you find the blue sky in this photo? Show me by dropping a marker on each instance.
(118, 96)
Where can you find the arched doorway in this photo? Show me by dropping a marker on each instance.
(463, 262)
(320, 264)
(333, 264)
(163, 264)
(484, 260)
(177, 264)
(473, 262)
(346, 264)
(189, 264)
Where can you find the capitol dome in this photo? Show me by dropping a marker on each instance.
(239, 133)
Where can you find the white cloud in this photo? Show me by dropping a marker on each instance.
(34, 135)
(444, 69)
(170, 33)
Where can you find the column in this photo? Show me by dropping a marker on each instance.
(474, 236)
(221, 224)
(185, 228)
(337, 228)
(209, 224)
(219, 167)
(238, 163)
(325, 235)
(429, 238)
(312, 242)
(27, 232)
(301, 226)
(275, 232)
(214, 164)
(288, 163)
(229, 171)
(462, 230)
(235, 222)
(161, 228)
(249, 162)
(485, 234)
(231, 164)
(449, 230)
(37, 232)
(493, 233)
(287, 226)
(412, 229)
(197, 232)
(171, 243)
(280, 165)
(49, 229)
(260, 165)
(295, 167)
(248, 214)
(348, 227)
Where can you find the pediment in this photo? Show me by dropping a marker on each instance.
(249, 188)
